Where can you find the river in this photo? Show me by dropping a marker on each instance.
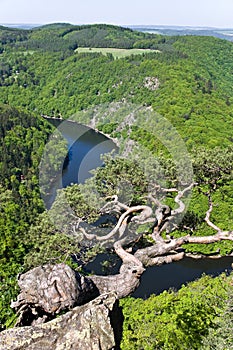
(156, 279)
(85, 149)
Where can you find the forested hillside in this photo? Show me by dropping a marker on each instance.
(22, 140)
(188, 80)
(194, 76)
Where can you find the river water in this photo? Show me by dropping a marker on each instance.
(85, 149)
(156, 279)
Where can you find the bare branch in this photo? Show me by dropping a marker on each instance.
(166, 259)
(113, 204)
(125, 256)
(178, 200)
(220, 236)
(146, 212)
(149, 255)
(89, 236)
(207, 217)
(145, 216)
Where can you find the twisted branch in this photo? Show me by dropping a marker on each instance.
(162, 251)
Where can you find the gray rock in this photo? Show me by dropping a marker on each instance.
(47, 290)
(89, 326)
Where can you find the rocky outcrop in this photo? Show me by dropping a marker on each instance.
(93, 326)
(151, 83)
(47, 290)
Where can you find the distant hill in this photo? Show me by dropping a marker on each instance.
(222, 33)
(65, 36)
(20, 25)
(226, 34)
(42, 70)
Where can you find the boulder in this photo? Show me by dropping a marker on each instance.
(47, 290)
(93, 326)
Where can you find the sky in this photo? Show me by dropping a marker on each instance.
(202, 13)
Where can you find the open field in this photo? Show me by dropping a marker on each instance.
(117, 53)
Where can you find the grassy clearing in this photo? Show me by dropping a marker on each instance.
(117, 53)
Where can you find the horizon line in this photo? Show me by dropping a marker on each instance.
(190, 26)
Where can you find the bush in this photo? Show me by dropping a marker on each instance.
(174, 320)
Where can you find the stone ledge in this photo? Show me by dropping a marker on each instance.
(85, 327)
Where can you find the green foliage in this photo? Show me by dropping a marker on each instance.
(174, 320)
(21, 145)
(214, 166)
(107, 128)
(221, 216)
(220, 336)
(40, 72)
(52, 162)
(194, 75)
(48, 245)
(12, 251)
(122, 177)
(77, 198)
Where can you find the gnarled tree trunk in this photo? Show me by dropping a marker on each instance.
(47, 290)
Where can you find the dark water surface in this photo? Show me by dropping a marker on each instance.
(156, 279)
(159, 278)
(85, 149)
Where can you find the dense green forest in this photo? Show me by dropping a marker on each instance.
(186, 79)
